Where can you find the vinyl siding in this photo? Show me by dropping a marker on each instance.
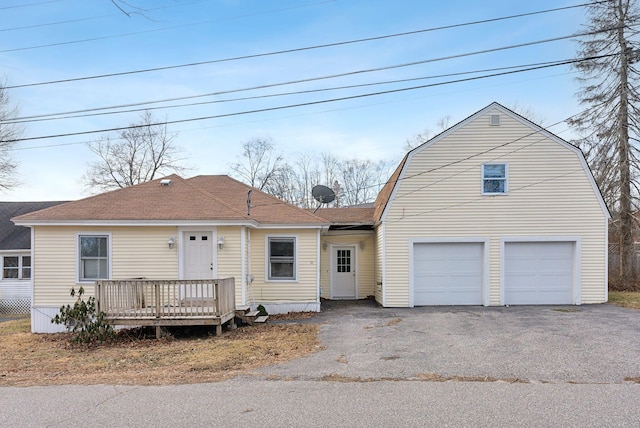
(14, 288)
(379, 264)
(135, 252)
(230, 258)
(549, 195)
(304, 288)
(364, 261)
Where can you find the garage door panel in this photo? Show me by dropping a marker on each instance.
(538, 273)
(448, 273)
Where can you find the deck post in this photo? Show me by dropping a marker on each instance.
(158, 332)
(157, 291)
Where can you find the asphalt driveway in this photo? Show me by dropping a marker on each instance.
(554, 344)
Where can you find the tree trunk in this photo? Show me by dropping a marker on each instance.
(627, 267)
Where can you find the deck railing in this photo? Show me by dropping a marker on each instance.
(166, 299)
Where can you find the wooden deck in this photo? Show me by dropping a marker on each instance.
(167, 302)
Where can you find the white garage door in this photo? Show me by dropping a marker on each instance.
(448, 273)
(538, 273)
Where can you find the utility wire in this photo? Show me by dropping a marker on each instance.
(267, 109)
(91, 18)
(29, 4)
(285, 51)
(351, 73)
(91, 112)
(155, 30)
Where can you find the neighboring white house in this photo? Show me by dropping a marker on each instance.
(15, 257)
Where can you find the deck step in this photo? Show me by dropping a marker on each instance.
(261, 319)
(243, 308)
(252, 314)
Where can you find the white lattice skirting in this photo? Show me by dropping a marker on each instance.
(15, 306)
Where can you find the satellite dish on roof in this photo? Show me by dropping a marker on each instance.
(323, 194)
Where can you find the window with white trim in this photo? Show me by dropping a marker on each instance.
(16, 267)
(281, 258)
(494, 178)
(94, 257)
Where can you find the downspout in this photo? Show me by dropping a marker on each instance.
(606, 262)
(32, 281)
(318, 268)
(249, 274)
(243, 271)
(384, 265)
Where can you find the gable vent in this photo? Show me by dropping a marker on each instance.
(494, 119)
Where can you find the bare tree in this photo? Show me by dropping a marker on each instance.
(417, 139)
(9, 132)
(528, 112)
(609, 82)
(141, 153)
(354, 181)
(259, 165)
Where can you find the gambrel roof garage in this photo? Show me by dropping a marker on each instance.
(494, 211)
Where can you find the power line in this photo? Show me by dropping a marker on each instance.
(285, 51)
(351, 73)
(29, 4)
(90, 112)
(310, 103)
(155, 30)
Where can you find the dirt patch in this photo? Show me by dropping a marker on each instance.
(435, 377)
(425, 377)
(292, 316)
(136, 359)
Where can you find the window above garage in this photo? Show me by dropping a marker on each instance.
(494, 179)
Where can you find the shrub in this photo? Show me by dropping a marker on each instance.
(262, 311)
(82, 319)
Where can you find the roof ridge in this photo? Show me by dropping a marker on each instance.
(211, 195)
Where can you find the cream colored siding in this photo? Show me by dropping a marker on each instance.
(230, 258)
(364, 261)
(135, 252)
(143, 252)
(440, 196)
(379, 263)
(305, 287)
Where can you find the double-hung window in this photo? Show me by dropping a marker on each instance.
(494, 178)
(94, 257)
(282, 258)
(16, 267)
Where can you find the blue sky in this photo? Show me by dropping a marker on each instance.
(174, 32)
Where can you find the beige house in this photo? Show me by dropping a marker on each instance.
(494, 211)
(173, 228)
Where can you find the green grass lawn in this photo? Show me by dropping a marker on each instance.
(628, 299)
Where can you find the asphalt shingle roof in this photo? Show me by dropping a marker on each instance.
(206, 197)
(14, 237)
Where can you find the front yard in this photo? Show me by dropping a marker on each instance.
(48, 359)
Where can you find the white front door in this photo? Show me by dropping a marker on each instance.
(343, 272)
(198, 255)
